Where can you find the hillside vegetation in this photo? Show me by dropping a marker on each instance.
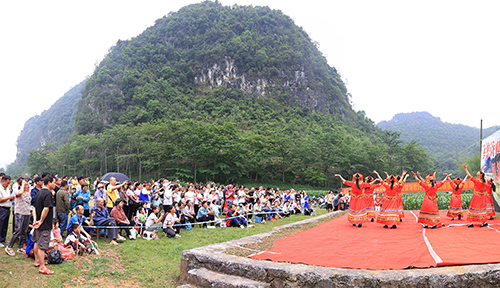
(447, 143)
(218, 93)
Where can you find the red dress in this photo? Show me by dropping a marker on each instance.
(490, 208)
(429, 212)
(477, 206)
(455, 207)
(357, 208)
(399, 189)
(368, 199)
(389, 214)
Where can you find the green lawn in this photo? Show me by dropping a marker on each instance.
(138, 263)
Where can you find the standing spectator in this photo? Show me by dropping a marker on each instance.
(336, 200)
(63, 206)
(22, 208)
(5, 204)
(42, 223)
(145, 192)
(99, 193)
(85, 198)
(38, 186)
(101, 218)
(167, 197)
(112, 193)
(329, 202)
(133, 201)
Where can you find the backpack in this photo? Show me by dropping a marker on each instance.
(55, 257)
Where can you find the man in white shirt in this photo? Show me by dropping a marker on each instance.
(5, 203)
(167, 197)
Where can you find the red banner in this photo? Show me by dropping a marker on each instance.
(415, 187)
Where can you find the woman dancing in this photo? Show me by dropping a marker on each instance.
(477, 206)
(368, 198)
(357, 210)
(490, 208)
(399, 189)
(429, 211)
(388, 214)
(455, 208)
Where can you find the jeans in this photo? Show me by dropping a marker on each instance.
(236, 222)
(63, 221)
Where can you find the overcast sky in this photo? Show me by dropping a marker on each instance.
(395, 56)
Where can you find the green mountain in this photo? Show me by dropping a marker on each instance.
(224, 94)
(52, 128)
(444, 142)
(253, 51)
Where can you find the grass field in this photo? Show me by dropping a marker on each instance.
(138, 263)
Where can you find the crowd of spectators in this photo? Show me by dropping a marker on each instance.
(47, 208)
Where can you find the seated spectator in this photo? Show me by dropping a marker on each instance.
(153, 223)
(78, 241)
(188, 211)
(80, 219)
(258, 210)
(120, 217)
(101, 218)
(205, 214)
(235, 221)
(170, 229)
(309, 211)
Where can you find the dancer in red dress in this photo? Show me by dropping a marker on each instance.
(455, 208)
(368, 198)
(388, 214)
(490, 207)
(429, 211)
(477, 206)
(357, 210)
(399, 189)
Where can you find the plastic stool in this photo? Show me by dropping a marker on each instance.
(148, 235)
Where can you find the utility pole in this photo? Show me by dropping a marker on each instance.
(481, 137)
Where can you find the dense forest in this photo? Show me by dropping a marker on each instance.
(224, 94)
(449, 144)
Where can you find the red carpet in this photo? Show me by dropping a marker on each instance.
(338, 244)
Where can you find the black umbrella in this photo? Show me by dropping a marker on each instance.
(119, 176)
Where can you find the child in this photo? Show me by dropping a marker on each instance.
(79, 242)
(55, 234)
(142, 216)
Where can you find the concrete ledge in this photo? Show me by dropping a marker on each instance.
(214, 258)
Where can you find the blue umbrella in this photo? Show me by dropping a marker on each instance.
(119, 176)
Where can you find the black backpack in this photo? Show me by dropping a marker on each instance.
(55, 257)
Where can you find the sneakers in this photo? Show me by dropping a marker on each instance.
(251, 226)
(1, 245)
(242, 226)
(210, 227)
(177, 236)
(10, 252)
(21, 251)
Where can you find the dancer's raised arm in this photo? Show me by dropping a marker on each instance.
(337, 175)
(416, 177)
(466, 170)
(378, 175)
